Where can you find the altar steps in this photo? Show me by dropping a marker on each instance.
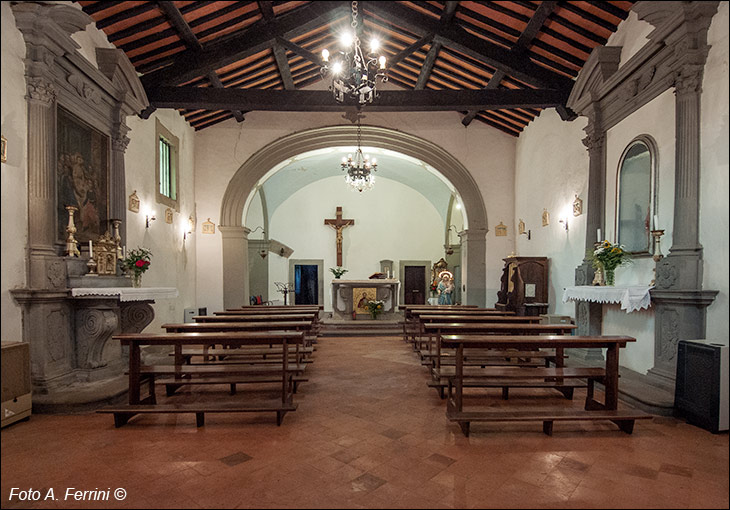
(364, 327)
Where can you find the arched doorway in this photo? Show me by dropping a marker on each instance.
(243, 185)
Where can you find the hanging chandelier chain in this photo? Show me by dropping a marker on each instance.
(353, 23)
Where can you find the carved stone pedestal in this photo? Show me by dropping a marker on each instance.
(73, 363)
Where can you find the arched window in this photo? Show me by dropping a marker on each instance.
(636, 195)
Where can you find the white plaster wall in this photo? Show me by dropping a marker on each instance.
(551, 168)
(487, 153)
(655, 119)
(392, 221)
(14, 203)
(631, 35)
(714, 187)
(173, 260)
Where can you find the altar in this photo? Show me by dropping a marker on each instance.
(349, 297)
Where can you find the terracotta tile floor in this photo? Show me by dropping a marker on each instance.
(368, 434)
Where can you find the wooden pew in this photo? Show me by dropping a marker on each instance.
(312, 317)
(411, 313)
(298, 354)
(181, 374)
(279, 313)
(421, 318)
(442, 370)
(593, 409)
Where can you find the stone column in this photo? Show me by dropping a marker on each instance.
(42, 229)
(589, 316)
(117, 180)
(679, 301)
(235, 263)
(474, 266)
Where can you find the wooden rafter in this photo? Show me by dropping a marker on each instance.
(321, 100)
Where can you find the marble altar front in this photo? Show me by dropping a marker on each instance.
(347, 294)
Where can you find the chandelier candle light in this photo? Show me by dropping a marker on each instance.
(354, 74)
(359, 168)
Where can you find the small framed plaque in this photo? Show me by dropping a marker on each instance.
(168, 216)
(500, 230)
(208, 227)
(134, 202)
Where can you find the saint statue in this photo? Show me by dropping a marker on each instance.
(445, 288)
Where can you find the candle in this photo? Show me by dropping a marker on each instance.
(598, 235)
(656, 222)
(91, 249)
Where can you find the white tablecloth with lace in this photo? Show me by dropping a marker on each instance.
(631, 297)
(127, 293)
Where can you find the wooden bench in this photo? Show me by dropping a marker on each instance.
(243, 323)
(593, 409)
(180, 374)
(412, 325)
(424, 339)
(123, 414)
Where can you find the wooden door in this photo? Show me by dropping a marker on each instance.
(414, 285)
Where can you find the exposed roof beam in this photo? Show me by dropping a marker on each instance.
(400, 56)
(523, 42)
(191, 41)
(446, 17)
(457, 38)
(283, 64)
(298, 50)
(260, 36)
(216, 82)
(267, 10)
(535, 24)
(208, 98)
(494, 82)
(428, 66)
(181, 26)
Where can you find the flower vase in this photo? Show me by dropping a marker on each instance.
(610, 277)
(137, 280)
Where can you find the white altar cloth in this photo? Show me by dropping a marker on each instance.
(632, 298)
(127, 293)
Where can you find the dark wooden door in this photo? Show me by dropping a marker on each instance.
(414, 285)
(306, 287)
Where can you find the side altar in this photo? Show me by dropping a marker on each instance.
(350, 296)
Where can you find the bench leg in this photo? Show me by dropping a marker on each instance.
(170, 389)
(233, 388)
(567, 392)
(199, 419)
(279, 417)
(464, 427)
(547, 427)
(505, 392)
(121, 419)
(153, 392)
(625, 425)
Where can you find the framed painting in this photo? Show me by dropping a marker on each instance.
(82, 177)
(360, 298)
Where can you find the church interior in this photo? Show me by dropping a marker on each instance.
(308, 254)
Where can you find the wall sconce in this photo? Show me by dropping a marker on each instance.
(564, 221)
(150, 216)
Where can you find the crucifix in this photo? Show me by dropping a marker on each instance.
(338, 224)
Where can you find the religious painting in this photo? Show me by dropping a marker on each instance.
(360, 298)
(500, 230)
(133, 202)
(208, 227)
(82, 176)
(168, 216)
(545, 218)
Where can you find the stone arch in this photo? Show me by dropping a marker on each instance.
(234, 233)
